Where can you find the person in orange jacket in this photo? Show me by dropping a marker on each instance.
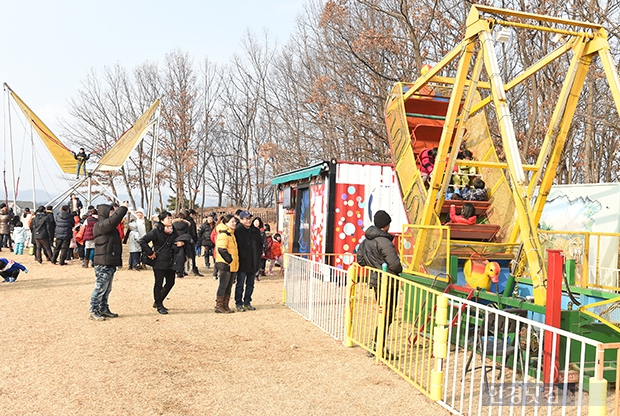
(276, 253)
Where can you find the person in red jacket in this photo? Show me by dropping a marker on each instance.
(276, 253)
(467, 214)
(88, 237)
(427, 162)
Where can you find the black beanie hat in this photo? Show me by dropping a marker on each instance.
(382, 219)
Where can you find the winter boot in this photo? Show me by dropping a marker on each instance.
(219, 305)
(196, 272)
(225, 304)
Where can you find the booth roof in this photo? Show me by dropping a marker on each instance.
(298, 174)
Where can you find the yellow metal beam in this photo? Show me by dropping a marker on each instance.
(528, 227)
(543, 28)
(537, 17)
(493, 165)
(474, 25)
(450, 81)
(437, 176)
(540, 64)
(464, 116)
(556, 118)
(423, 80)
(498, 94)
(550, 141)
(560, 124)
(610, 71)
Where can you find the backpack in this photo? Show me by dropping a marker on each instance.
(267, 247)
(213, 235)
(79, 236)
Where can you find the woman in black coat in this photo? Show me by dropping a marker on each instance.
(163, 238)
(183, 227)
(204, 232)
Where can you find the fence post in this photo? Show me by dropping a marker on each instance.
(349, 304)
(553, 313)
(598, 386)
(382, 305)
(570, 271)
(440, 347)
(285, 260)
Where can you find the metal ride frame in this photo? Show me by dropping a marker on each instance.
(587, 43)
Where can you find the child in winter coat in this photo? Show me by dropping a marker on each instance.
(268, 249)
(135, 250)
(180, 254)
(88, 237)
(427, 162)
(276, 252)
(19, 237)
(464, 174)
(467, 214)
(10, 269)
(478, 192)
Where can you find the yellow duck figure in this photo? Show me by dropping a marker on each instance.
(480, 273)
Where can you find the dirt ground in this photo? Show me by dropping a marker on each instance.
(55, 361)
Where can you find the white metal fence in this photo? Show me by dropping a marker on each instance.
(497, 363)
(493, 362)
(317, 292)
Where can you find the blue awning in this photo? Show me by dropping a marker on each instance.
(298, 174)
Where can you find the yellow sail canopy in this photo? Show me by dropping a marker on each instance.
(120, 151)
(59, 151)
(111, 161)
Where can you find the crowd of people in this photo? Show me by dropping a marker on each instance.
(237, 247)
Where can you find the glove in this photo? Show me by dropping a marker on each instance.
(26, 271)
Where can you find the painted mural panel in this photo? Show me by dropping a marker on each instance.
(381, 191)
(318, 206)
(362, 190)
(349, 220)
(288, 219)
(590, 208)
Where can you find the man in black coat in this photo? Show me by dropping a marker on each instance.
(376, 250)
(41, 228)
(193, 232)
(63, 234)
(205, 238)
(108, 256)
(250, 249)
(5, 226)
(49, 211)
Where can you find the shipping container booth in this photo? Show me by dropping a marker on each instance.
(324, 209)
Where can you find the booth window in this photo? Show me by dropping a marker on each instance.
(287, 198)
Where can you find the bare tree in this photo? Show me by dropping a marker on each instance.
(207, 146)
(321, 96)
(102, 112)
(181, 115)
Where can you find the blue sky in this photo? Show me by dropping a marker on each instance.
(49, 47)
